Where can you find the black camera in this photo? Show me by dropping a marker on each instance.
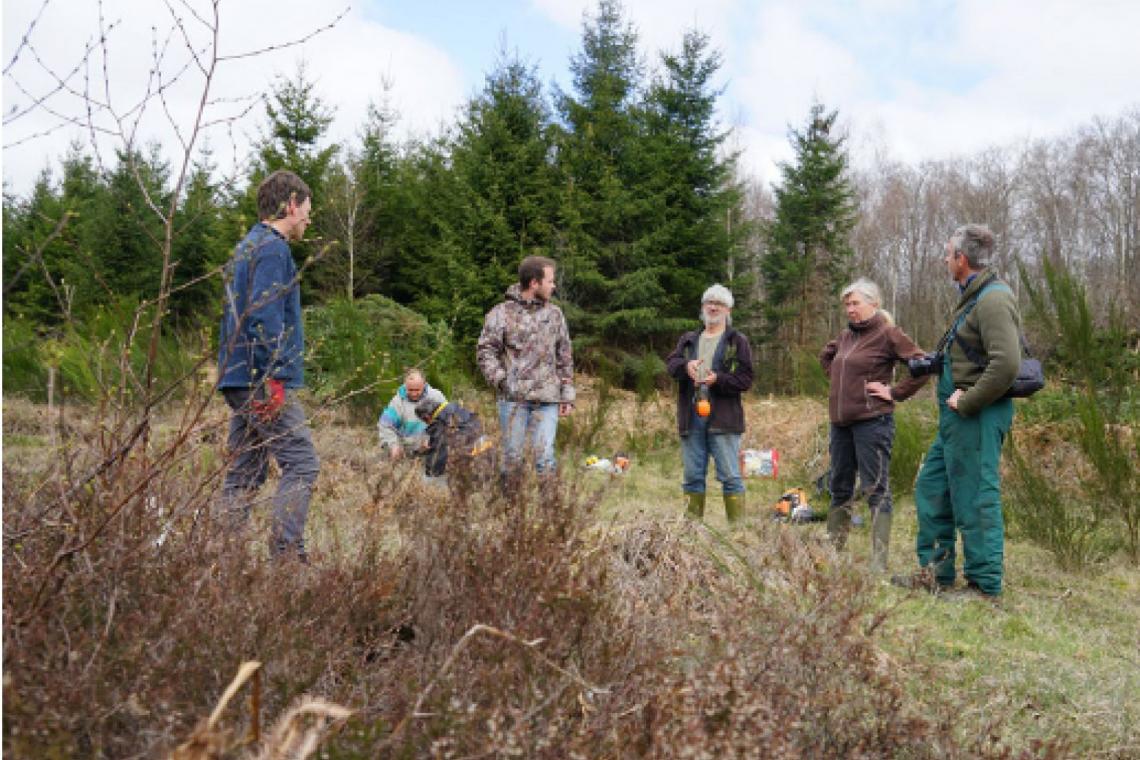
(931, 364)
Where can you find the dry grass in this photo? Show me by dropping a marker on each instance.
(578, 618)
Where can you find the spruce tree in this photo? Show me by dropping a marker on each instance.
(201, 243)
(297, 123)
(382, 201)
(808, 243)
(686, 241)
(52, 244)
(601, 171)
(296, 129)
(505, 196)
(127, 231)
(31, 270)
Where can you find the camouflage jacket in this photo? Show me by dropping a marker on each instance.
(524, 351)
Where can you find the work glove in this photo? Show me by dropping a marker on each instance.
(269, 407)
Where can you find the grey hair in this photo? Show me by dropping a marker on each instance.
(414, 372)
(975, 242)
(865, 288)
(718, 293)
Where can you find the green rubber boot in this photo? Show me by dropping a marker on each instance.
(838, 523)
(734, 506)
(880, 541)
(695, 505)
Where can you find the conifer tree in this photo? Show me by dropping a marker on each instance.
(505, 196)
(200, 244)
(383, 201)
(52, 244)
(296, 129)
(686, 241)
(600, 169)
(295, 139)
(808, 243)
(127, 231)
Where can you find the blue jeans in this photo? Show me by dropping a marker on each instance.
(528, 429)
(698, 446)
(251, 443)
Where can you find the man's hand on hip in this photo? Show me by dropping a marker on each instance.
(952, 402)
(565, 408)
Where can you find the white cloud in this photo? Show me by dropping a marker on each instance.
(981, 73)
(567, 13)
(1053, 63)
(786, 65)
(924, 80)
(660, 24)
(348, 64)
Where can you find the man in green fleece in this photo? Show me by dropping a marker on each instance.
(959, 486)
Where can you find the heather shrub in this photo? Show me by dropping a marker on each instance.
(773, 655)
(484, 619)
(126, 609)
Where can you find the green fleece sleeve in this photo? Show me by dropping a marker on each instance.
(998, 325)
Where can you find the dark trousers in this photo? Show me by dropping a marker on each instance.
(251, 443)
(863, 448)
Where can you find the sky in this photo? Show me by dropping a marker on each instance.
(917, 80)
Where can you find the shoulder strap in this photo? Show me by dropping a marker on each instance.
(952, 333)
(974, 354)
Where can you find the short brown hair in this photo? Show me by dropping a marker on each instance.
(275, 192)
(533, 268)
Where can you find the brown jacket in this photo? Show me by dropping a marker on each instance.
(866, 352)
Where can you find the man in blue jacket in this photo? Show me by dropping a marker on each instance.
(260, 353)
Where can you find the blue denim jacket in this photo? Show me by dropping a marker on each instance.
(261, 334)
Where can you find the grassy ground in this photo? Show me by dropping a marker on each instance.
(1060, 654)
(1058, 657)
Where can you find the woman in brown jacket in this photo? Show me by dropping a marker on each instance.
(860, 364)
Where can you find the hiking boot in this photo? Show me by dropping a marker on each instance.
(920, 580)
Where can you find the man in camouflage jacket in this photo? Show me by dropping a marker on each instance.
(524, 352)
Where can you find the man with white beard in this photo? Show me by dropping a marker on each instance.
(713, 367)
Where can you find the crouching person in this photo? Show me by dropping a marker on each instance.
(401, 431)
(453, 433)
